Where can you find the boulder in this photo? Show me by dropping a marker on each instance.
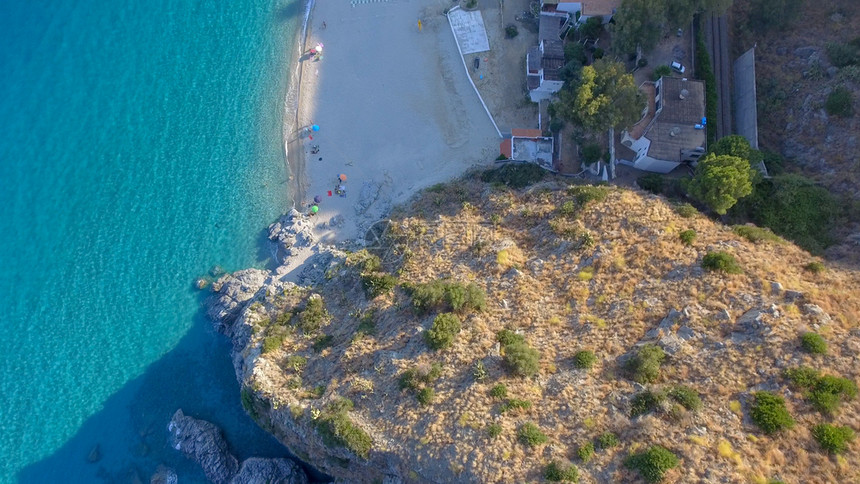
(203, 442)
(273, 471)
(231, 292)
(164, 475)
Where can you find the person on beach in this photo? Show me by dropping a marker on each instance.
(323, 25)
(419, 25)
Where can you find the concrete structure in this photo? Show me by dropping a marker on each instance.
(585, 9)
(469, 31)
(544, 61)
(671, 131)
(529, 145)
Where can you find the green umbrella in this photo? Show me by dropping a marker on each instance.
(315, 209)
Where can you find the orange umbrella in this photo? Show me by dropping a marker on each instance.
(342, 177)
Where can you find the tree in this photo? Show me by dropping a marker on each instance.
(638, 22)
(679, 13)
(592, 27)
(721, 180)
(606, 96)
(737, 145)
(773, 14)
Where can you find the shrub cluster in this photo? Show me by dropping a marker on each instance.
(499, 391)
(687, 236)
(515, 404)
(377, 283)
(520, 358)
(757, 234)
(721, 261)
(585, 194)
(414, 379)
(584, 359)
(494, 430)
(314, 316)
(607, 440)
(452, 295)
(514, 175)
(558, 472)
(769, 413)
(530, 434)
(687, 397)
(323, 342)
(585, 451)
(686, 210)
(336, 429)
(644, 367)
(645, 402)
(813, 343)
(815, 267)
(446, 327)
(840, 103)
(832, 438)
(653, 463)
(825, 392)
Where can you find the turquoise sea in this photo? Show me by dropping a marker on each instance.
(140, 145)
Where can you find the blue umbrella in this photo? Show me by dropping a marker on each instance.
(317, 199)
(315, 127)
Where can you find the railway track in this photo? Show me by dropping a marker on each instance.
(717, 37)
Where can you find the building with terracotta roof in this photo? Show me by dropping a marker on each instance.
(672, 128)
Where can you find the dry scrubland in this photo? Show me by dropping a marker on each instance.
(569, 269)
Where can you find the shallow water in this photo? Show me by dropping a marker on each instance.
(141, 144)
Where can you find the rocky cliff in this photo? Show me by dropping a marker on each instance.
(495, 335)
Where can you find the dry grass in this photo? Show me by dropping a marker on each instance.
(563, 296)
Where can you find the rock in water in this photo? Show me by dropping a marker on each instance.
(95, 454)
(274, 471)
(203, 442)
(164, 475)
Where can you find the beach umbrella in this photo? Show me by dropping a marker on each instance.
(315, 209)
(319, 47)
(315, 127)
(342, 177)
(317, 199)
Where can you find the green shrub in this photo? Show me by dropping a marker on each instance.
(378, 283)
(446, 327)
(479, 371)
(815, 267)
(295, 363)
(271, 343)
(591, 153)
(515, 175)
(499, 391)
(336, 429)
(567, 208)
(644, 367)
(721, 261)
(575, 52)
(323, 342)
(833, 439)
(825, 392)
(757, 234)
(314, 316)
(508, 337)
(511, 31)
(530, 434)
(652, 182)
(585, 452)
(515, 404)
(494, 430)
(414, 378)
(598, 53)
(557, 472)
(813, 343)
(425, 396)
(645, 402)
(653, 463)
(454, 295)
(687, 397)
(660, 71)
(686, 210)
(769, 413)
(585, 194)
(607, 440)
(688, 236)
(842, 55)
(584, 359)
(840, 103)
(521, 359)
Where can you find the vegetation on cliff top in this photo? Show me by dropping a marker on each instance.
(502, 394)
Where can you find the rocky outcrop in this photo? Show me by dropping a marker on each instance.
(274, 471)
(203, 442)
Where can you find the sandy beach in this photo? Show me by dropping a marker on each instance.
(395, 109)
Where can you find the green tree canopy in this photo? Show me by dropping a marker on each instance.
(606, 96)
(642, 22)
(737, 145)
(721, 180)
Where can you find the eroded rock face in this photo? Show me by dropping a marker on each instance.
(203, 442)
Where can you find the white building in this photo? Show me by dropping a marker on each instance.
(585, 9)
(544, 61)
(672, 128)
